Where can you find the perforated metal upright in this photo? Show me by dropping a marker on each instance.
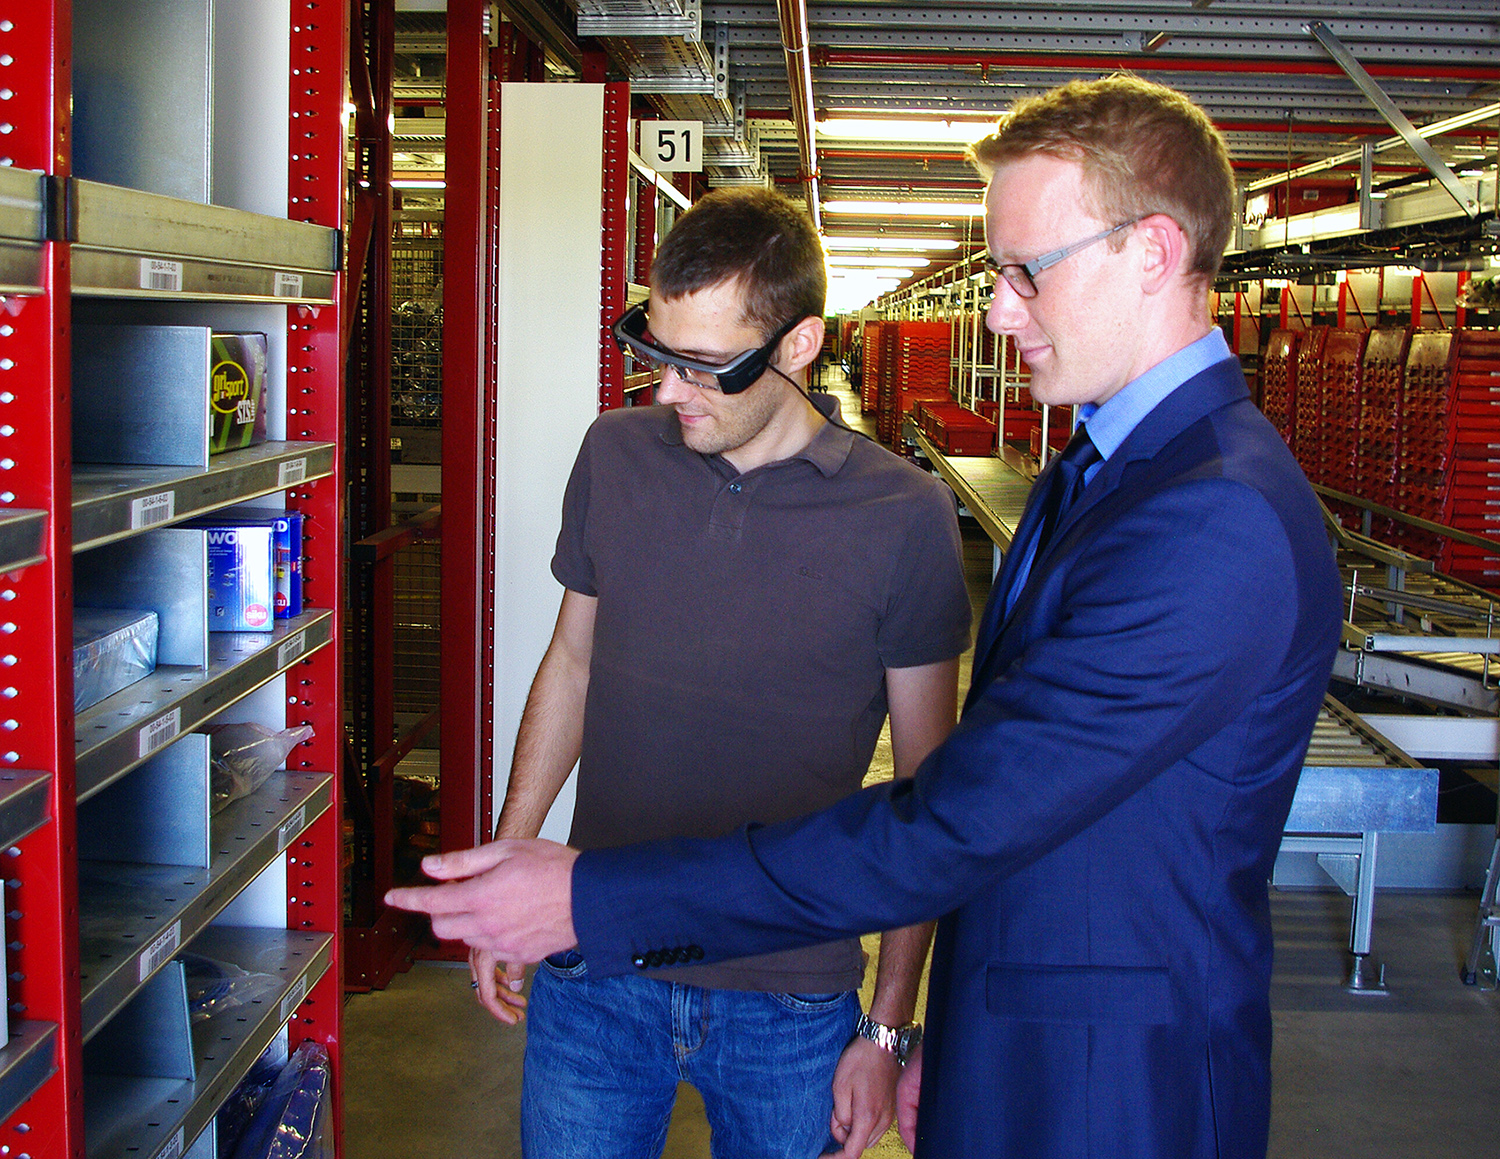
(48, 514)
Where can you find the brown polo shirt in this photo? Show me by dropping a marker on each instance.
(744, 626)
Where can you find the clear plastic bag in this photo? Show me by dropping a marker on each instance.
(291, 1121)
(245, 755)
(214, 986)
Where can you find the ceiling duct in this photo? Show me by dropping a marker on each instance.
(793, 15)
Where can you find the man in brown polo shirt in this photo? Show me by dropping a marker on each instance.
(750, 588)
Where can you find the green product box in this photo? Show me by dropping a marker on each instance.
(237, 392)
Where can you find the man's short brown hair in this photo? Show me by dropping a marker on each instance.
(758, 236)
(1144, 149)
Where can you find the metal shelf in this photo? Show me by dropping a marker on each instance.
(128, 1117)
(23, 228)
(23, 804)
(121, 731)
(142, 245)
(25, 1064)
(134, 918)
(111, 503)
(21, 533)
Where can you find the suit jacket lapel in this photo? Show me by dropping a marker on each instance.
(1205, 392)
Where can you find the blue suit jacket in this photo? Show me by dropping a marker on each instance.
(1098, 830)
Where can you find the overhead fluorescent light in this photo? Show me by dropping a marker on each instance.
(959, 209)
(954, 134)
(890, 243)
(418, 183)
(877, 263)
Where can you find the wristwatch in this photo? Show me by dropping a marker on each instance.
(899, 1040)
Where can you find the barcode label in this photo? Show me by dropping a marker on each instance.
(159, 732)
(294, 998)
(157, 274)
(160, 950)
(290, 649)
(290, 828)
(173, 1149)
(293, 471)
(288, 285)
(153, 509)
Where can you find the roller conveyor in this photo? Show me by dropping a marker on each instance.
(1355, 784)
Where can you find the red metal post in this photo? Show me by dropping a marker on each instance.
(1416, 300)
(1460, 313)
(315, 363)
(466, 486)
(41, 872)
(616, 241)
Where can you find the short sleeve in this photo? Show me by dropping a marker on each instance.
(927, 607)
(572, 565)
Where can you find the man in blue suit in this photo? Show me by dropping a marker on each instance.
(1098, 830)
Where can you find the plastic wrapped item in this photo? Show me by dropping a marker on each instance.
(214, 986)
(245, 755)
(238, 1110)
(112, 648)
(291, 1122)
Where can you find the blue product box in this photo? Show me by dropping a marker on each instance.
(286, 529)
(241, 577)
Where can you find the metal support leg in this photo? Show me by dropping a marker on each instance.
(1481, 963)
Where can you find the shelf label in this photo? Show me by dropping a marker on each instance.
(152, 509)
(290, 649)
(290, 828)
(173, 1149)
(159, 274)
(294, 997)
(159, 732)
(160, 950)
(288, 285)
(292, 471)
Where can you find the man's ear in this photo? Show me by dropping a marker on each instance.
(1164, 250)
(801, 346)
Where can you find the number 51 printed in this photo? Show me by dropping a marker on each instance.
(672, 146)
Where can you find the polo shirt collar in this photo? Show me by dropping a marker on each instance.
(828, 450)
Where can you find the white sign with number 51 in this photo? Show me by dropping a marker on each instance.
(672, 146)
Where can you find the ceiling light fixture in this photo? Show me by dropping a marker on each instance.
(890, 243)
(876, 263)
(959, 209)
(954, 134)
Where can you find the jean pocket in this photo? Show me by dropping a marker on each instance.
(568, 964)
(812, 1003)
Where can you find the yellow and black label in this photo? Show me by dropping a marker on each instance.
(231, 387)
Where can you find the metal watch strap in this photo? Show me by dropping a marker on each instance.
(899, 1040)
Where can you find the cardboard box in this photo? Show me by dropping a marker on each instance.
(112, 649)
(236, 391)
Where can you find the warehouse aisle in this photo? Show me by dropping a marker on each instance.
(1410, 1074)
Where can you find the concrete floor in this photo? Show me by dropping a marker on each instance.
(1413, 1073)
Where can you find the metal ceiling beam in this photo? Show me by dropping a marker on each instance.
(1366, 84)
(793, 20)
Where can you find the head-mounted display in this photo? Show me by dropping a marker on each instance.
(633, 334)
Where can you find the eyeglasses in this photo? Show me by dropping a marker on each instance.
(1022, 277)
(633, 335)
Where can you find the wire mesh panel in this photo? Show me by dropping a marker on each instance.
(418, 627)
(417, 327)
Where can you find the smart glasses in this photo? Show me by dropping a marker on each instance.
(1021, 277)
(633, 334)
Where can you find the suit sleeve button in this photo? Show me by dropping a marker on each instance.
(639, 961)
(695, 952)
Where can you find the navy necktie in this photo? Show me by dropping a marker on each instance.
(1064, 486)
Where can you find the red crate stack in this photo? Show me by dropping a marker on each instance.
(869, 385)
(1058, 435)
(1311, 421)
(1429, 369)
(1342, 382)
(1379, 457)
(1471, 467)
(919, 369)
(955, 429)
(1278, 383)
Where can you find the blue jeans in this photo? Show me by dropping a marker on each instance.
(604, 1057)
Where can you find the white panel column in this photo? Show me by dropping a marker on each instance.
(551, 174)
